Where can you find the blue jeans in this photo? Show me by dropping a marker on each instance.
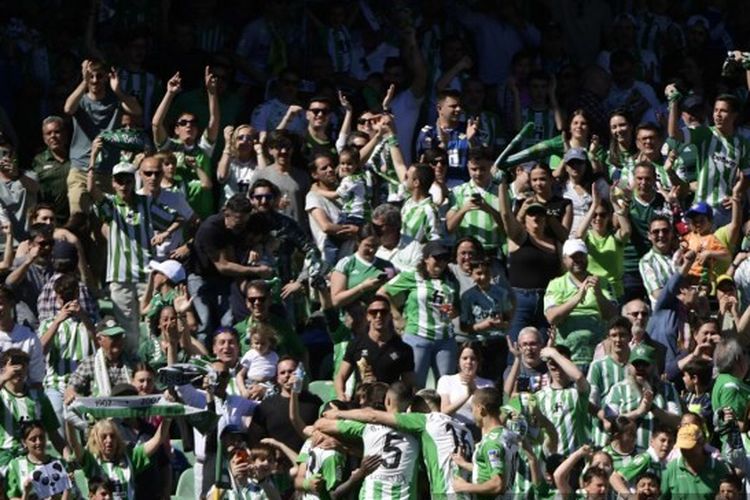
(439, 354)
(211, 304)
(529, 312)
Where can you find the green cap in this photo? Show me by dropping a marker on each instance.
(109, 327)
(642, 352)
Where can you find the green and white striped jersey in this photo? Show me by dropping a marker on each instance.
(130, 231)
(655, 269)
(34, 405)
(395, 477)
(122, 473)
(441, 437)
(419, 221)
(719, 160)
(567, 409)
(544, 125)
(328, 464)
(425, 307)
(625, 396)
(645, 462)
(477, 223)
(21, 468)
(603, 374)
(495, 455)
(69, 346)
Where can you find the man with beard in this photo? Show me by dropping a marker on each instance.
(578, 303)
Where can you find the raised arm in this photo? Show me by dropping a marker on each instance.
(159, 438)
(516, 233)
(74, 99)
(583, 227)
(214, 112)
(129, 103)
(463, 64)
(346, 124)
(174, 86)
(673, 122)
(222, 168)
(562, 473)
(568, 367)
(416, 63)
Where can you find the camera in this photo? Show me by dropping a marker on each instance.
(476, 198)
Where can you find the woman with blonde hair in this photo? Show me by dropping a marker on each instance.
(107, 455)
(242, 156)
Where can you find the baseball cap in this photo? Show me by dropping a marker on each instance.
(574, 154)
(642, 352)
(109, 327)
(170, 268)
(535, 207)
(574, 246)
(700, 208)
(688, 436)
(435, 249)
(693, 104)
(123, 167)
(63, 251)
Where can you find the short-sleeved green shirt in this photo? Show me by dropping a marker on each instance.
(328, 464)
(493, 458)
(423, 311)
(606, 258)
(584, 327)
(678, 482)
(645, 462)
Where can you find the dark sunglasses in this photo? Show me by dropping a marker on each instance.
(375, 312)
(124, 179)
(245, 137)
(437, 161)
(319, 111)
(185, 123)
(260, 197)
(151, 173)
(253, 300)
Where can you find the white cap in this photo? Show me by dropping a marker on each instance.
(172, 269)
(574, 246)
(123, 168)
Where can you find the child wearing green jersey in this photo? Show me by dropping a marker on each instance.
(654, 460)
(19, 403)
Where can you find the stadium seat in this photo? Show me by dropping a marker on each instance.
(323, 389)
(185, 486)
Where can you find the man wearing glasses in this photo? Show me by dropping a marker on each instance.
(379, 356)
(657, 265)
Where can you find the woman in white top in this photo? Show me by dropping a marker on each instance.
(456, 391)
(577, 182)
(242, 155)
